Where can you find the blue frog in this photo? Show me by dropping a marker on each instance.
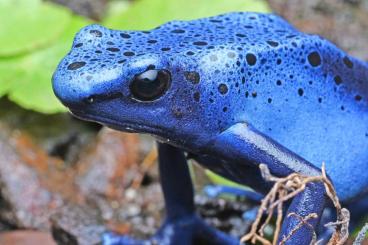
(232, 91)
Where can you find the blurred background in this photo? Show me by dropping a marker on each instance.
(74, 180)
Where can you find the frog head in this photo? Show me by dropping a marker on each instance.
(138, 81)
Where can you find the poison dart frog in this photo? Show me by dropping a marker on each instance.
(232, 91)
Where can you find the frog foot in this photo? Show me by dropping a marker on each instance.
(182, 231)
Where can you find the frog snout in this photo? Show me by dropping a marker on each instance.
(68, 91)
(77, 98)
(87, 73)
(79, 88)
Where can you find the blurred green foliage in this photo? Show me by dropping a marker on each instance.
(214, 178)
(28, 25)
(147, 14)
(35, 35)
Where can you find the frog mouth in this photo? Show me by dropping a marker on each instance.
(126, 126)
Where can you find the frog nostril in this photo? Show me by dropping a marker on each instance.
(95, 98)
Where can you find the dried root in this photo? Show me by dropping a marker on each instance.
(303, 221)
(283, 190)
(148, 162)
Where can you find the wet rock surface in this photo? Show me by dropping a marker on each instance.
(36, 183)
(58, 135)
(103, 166)
(25, 200)
(77, 225)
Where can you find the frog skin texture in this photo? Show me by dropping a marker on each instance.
(232, 91)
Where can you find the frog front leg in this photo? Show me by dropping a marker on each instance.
(182, 226)
(244, 145)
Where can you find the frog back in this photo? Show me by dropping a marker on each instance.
(314, 100)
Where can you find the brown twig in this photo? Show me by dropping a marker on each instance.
(341, 233)
(303, 221)
(283, 190)
(146, 164)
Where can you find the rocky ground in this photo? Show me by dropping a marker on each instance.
(77, 180)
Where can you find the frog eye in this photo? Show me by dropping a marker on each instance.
(150, 85)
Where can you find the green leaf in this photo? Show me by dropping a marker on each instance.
(30, 76)
(217, 179)
(29, 24)
(147, 14)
